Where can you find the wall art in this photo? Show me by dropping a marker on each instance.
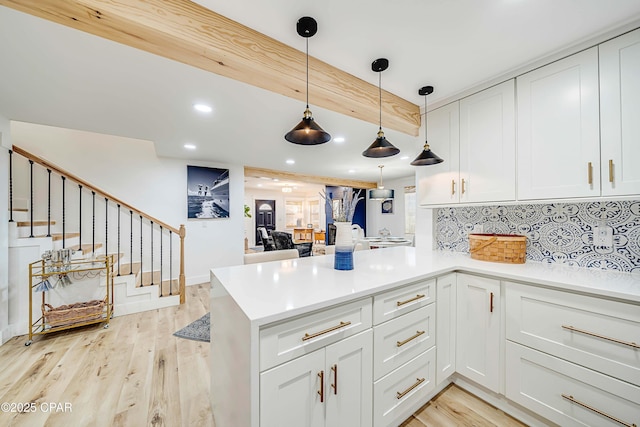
(207, 192)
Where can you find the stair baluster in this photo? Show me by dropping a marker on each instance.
(141, 271)
(48, 202)
(64, 179)
(170, 262)
(93, 222)
(31, 198)
(151, 252)
(10, 185)
(118, 254)
(161, 287)
(131, 242)
(80, 217)
(106, 227)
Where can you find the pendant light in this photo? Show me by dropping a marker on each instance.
(426, 157)
(307, 132)
(380, 147)
(380, 193)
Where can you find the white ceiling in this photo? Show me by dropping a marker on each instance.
(54, 75)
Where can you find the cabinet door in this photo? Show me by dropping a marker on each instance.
(619, 113)
(488, 145)
(478, 330)
(289, 393)
(445, 327)
(438, 184)
(349, 382)
(558, 129)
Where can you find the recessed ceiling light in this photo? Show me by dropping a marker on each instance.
(276, 179)
(189, 146)
(338, 139)
(404, 158)
(203, 108)
(290, 161)
(259, 185)
(352, 171)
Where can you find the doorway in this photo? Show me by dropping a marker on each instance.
(265, 217)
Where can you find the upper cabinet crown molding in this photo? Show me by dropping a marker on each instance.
(186, 32)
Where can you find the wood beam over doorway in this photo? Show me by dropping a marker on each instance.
(312, 179)
(187, 32)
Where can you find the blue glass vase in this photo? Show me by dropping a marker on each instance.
(343, 258)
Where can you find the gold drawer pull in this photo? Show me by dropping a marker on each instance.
(417, 297)
(401, 395)
(326, 331)
(321, 391)
(627, 343)
(590, 173)
(597, 411)
(453, 187)
(463, 186)
(401, 343)
(334, 386)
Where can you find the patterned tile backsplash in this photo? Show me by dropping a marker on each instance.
(556, 232)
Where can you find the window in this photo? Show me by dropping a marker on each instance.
(294, 210)
(410, 210)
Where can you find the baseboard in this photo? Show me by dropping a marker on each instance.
(197, 280)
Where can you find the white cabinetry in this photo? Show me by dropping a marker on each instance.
(476, 139)
(558, 129)
(445, 327)
(478, 334)
(329, 387)
(487, 145)
(437, 184)
(619, 113)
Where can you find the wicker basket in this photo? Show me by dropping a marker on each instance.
(509, 248)
(78, 312)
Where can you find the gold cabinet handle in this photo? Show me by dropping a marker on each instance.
(400, 395)
(417, 297)
(326, 331)
(597, 411)
(453, 187)
(590, 173)
(491, 303)
(321, 391)
(610, 170)
(462, 186)
(334, 386)
(401, 343)
(593, 334)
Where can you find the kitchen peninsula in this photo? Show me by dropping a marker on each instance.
(297, 343)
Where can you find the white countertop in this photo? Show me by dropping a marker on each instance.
(273, 291)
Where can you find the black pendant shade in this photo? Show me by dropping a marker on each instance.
(426, 157)
(381, 147)
(307, 132)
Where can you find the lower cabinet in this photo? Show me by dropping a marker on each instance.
(329, 387)
(566, 393)
(478, 330)
(445, 327)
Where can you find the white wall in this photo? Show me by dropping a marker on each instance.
(130, 170)
(5, 144)
(394, 222)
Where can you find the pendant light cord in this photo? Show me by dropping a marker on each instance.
(425, 117)
(307, 39)
(380, 96)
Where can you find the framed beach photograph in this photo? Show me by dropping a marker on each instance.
(207, 192)
(387, 206)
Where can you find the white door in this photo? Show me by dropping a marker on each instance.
(289, 393)
(488, 145)
(349, 382)
(558, 129)
(438, 184)
(620, 114)
(478, 330)
(445, 327)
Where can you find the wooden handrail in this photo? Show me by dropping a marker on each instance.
(179, 231)
(53, 167)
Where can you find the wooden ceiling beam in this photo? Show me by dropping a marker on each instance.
(192, 34)
(311, 179)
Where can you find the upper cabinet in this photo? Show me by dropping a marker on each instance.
(476, 139)
(437, 184)
(558, 129)
(488, 145)
(620, 114)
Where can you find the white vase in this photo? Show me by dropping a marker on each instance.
(343, 258)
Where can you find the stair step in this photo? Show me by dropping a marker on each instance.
(166, 288)
(127, 268)
(148, 277)
(35, 223)
(86, 248)
(19, 209)
(58, 236)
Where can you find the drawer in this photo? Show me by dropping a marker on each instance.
(399, 340)
(397, 302)
(568, 394)
(592, 332)
(403, 391)
(288, 340)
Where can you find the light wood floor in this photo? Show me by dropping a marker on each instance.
(136, 373)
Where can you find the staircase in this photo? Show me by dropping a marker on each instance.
(52, 209)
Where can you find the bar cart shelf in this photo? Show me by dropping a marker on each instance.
(42, 273)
